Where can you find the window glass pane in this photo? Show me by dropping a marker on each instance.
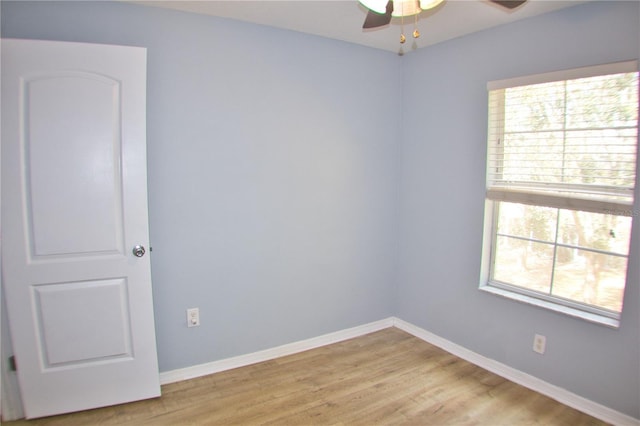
(603, 101)
(567, 133)
(523, 263)
(521, 220)
(536, 107)
(524, 254)
(532, 157)
(595, 231)
(591, 278)
(600, 157)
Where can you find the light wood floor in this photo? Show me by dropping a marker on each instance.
(384, 378)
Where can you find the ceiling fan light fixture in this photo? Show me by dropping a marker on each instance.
(429, 4)
(378, 6)
(405, 8)
(380, 12)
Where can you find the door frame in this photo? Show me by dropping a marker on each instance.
(10, 401)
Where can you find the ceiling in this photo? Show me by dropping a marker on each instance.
(342, 20)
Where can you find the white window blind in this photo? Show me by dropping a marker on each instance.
(565, 139)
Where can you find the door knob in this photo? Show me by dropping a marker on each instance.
(139, 251)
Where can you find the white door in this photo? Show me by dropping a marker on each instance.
(74, 206)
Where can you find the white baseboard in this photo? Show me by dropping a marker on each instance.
(561, 395)
(267, 354)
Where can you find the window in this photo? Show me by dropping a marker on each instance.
(561, 172)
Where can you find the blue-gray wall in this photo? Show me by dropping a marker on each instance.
(272, 169)
(321, 191)
(442, 203)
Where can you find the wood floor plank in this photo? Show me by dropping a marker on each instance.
(386, 377)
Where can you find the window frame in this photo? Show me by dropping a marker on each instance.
(494, 196)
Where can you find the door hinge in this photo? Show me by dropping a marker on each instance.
(12, 363)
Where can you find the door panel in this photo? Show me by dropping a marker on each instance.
(74, 204)
(102, 333)
(62, 112)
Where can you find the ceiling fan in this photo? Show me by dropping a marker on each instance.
(380, 12)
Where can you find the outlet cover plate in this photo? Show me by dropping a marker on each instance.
(539, 343)
(193, 317)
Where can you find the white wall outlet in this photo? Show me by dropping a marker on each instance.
(193, 317)
(539, 343)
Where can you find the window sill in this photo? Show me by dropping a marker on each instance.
(572, 312)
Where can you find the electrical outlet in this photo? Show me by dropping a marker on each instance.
(193, 317)
(539, 343)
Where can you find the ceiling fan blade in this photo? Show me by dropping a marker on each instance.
(374, 20)
(509, 4)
